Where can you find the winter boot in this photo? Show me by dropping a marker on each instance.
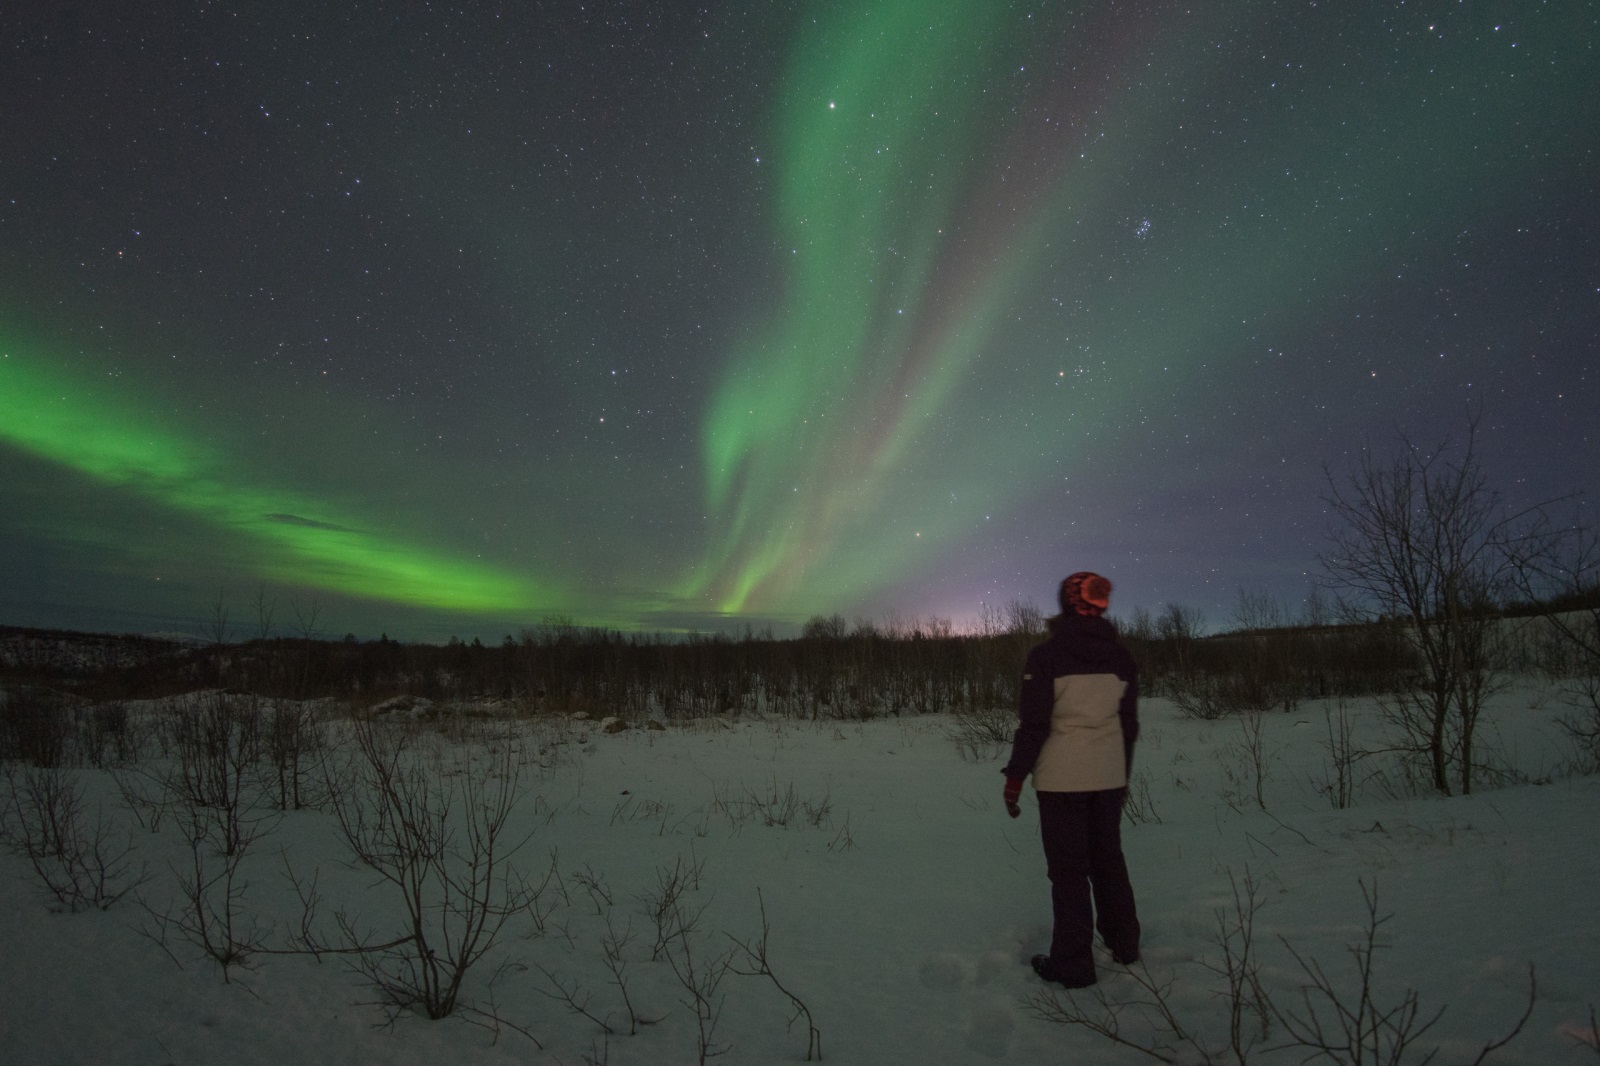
(1071, 977)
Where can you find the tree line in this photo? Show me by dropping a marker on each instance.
(1434, 591)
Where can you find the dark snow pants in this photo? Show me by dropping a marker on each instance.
(1083, 850)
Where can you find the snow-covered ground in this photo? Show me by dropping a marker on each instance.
(902, 903)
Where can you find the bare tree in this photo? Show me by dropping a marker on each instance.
(825, 627)
(1270, 653)
(306, 614)
(1179, 627)
(1024, 619)
(1562, 575)
(266, 607)
(1138, 626)
(215, 625)
(1425, 539)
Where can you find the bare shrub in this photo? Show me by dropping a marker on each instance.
(773, 805)
(594, 884)
(817, 813)
(700, 972)
(981, 733)
(1156, 1031)
(756, 964)
(1351, 1027)
(1339, 783)
(1335, 1023)
(1582, 726)
(573, 995)
(1199, 696)
(1210, 696)
(79, 861)
(1250, 763)
(1590, 1037)
(777, 807)
(209, 914)
(216, 743)
(844, 839)
(1159, 1033)
(1249, 1012)
(1140, 806)
(295, 734)
(665, 905)
(441, 844)
(103, 735)
(34, 727)
(613, 946)
(145, 794)
(1495, 761)
(1561, 576)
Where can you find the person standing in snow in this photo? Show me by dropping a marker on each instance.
(1079, 718)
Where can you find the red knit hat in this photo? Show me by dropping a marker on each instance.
(1085, 593)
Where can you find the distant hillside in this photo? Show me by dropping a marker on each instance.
(64, 653)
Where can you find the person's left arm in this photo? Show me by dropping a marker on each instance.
(1034, 709)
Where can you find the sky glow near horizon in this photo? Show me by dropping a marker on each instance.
(671, 320)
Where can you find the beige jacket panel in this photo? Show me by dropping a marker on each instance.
(1084, 751)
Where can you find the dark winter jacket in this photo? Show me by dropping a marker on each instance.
(1079, 710)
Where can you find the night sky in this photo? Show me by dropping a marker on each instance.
(452, 318)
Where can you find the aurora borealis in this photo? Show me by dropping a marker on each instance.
(451, 318)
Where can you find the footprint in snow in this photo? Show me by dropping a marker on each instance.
(942, 971)
(989, 1029)
(992, 964)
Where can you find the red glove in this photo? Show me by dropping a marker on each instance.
(1013, 793)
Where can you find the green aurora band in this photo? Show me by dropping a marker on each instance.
(866, 127)
(61, 417)
(934, 189)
